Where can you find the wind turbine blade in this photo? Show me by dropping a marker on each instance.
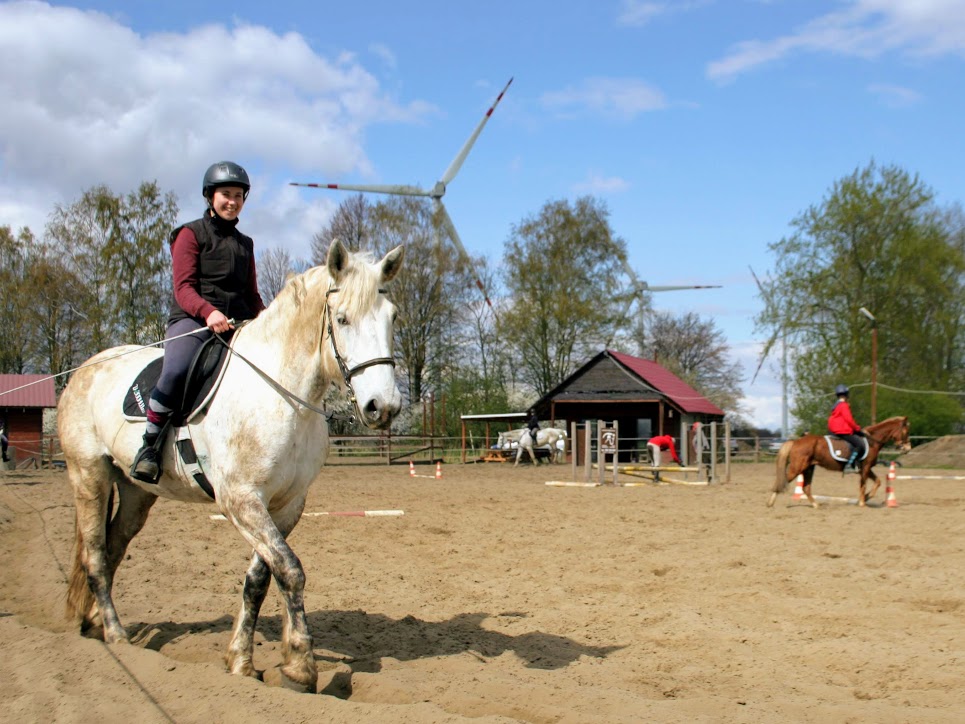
(677, 288)
(447, 221)
(467, 146)
(397, 189)
(626, 309)
(756, 280)
(764, 352)
(630, 273)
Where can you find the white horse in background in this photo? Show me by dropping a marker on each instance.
(263, 436)
(546, 437)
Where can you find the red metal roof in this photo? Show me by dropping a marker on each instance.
(682, 394)
(39, 391)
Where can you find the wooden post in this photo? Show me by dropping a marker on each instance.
(573, 446)
(588, 451)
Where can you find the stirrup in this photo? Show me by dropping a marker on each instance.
(146, 476)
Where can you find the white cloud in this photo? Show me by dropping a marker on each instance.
(88, 101)
(621, 98)
(895, 96)
(864, 28)
(597, 183)
(637, 13)
(385, 54)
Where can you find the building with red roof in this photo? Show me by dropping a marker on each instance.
(645, 399)
(27, 405)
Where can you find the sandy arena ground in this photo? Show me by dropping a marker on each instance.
(498, 599)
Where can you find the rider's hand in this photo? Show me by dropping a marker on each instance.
(218, 322)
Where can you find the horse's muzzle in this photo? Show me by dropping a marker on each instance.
(379, 414)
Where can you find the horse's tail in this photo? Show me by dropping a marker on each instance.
(80, 599)
(780, 474)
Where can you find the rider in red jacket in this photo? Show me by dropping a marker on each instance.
(841, 423)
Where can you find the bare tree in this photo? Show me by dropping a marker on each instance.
(275, 265)
(350, 223)
(696, 351)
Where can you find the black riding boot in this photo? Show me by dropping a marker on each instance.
(147, 462)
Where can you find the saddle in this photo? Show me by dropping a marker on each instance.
(840, 449)
(204, 377)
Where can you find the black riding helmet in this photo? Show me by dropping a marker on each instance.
(841, 390)
(224, 173)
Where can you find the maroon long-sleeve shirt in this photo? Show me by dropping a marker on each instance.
(184, 260)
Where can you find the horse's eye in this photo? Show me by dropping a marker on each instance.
(342, 320)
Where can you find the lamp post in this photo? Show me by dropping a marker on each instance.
(874, 362)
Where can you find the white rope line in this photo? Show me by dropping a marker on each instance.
(106, 359)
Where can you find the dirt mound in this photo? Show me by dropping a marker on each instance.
(945, 452)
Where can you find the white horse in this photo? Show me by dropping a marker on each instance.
(548, 436)
(509, 439)
(261, 440)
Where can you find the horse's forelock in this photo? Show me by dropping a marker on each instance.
(359, 285)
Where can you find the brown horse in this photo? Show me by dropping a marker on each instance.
(798, 457)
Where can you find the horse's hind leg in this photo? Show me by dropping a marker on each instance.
(272, 550)
(95, 558)
(862, 498)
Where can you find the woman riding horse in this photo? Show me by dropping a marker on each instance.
(261, 439)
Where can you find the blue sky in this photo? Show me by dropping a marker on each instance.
(705, 125)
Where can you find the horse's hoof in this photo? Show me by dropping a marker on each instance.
(242, 667)
(294, 678)
(770, 501)
(815, 504)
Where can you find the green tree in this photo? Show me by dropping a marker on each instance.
(15, 300)
(139, 263)
(877, 240)
(559, 282)
(80, 233)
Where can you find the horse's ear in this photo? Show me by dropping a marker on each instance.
(391, 263)
(337, 259)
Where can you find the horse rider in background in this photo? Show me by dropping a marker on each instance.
(842, 424)
(533, 425)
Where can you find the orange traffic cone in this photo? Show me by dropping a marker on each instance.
(412, 468)
(890, 500)
(438, 469)
(798, 488)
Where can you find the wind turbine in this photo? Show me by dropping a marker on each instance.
(435, 193)
(639, 288)
(782, 332)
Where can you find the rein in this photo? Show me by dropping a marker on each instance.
(347, 372)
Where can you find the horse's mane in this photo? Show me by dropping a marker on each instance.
(357, 289)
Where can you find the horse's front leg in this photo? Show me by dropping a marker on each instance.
(238, 657)
(272, 551)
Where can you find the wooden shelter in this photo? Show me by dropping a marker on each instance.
(644, 398)
(24, 401)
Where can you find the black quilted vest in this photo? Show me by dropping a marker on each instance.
(224, 266)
